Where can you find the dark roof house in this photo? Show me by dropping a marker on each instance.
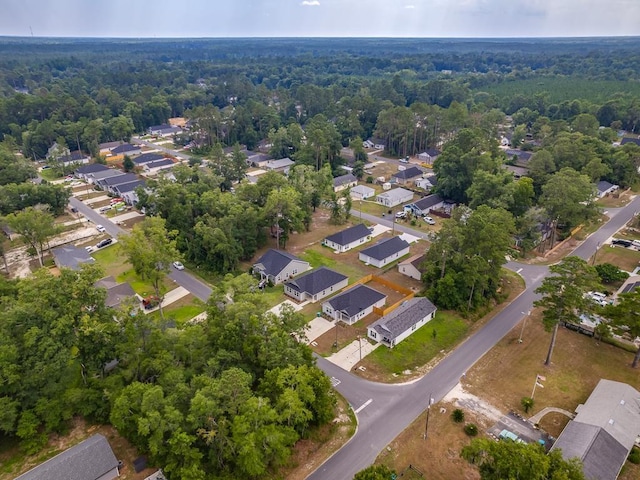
(348, 238)
(605, 187)
(344, 181)
(91, 168)
(69, 256)
(116, 292)
(354, 304)
(278, 266)
(399, 324)
(91, 459)
(402, 176)
(384, 252)
(626, 140)
(147, 158)
(316, 284)
(129, 186)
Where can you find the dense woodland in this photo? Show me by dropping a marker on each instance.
(229, 397)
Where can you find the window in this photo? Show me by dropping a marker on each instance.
(373, 334)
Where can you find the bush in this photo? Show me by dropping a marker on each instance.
(457, 415)
(471, 429)
(634, 456)
(369, 179)
(527, 403)
(609, 273)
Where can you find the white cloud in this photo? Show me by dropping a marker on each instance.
(410, 7)
(310, 3)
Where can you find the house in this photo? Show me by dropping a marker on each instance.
(605, 188)
(277, 266)
(604, 430)
(376, 143)
(626, 140)
(426, 183)
(117, 293)
(152, 168)
(127, 191)
(394, 197)
(520, 156)
(315, 285)
(108, 183)
(361, 192)
(518, 172)
(86, 170)
(70, 256)
(394, 327)
(95, 177)
(425, 205)
(125, 149)
(349, 238)
(344, 181)
(106, 147)
(406, 176)
(412, 267)
(256, 159)
(73, 158)
(429, 156)
(384, 252)
(281, 165)
(354, 304)
(147, 158)
(630, 285)
(91, 459)
(164, 130)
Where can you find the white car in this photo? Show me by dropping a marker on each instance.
(178, 265)
(100, 228)
(401, 214)
(429, 220)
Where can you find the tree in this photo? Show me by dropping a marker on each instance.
(375, 472)
(36, 226)
(284, 213)
(563, 295)
(627, 313)
(457, 415)
(127, 164)
(151, 250)
(527, 403)
(569, 197)
(609, 273)
(502, 460)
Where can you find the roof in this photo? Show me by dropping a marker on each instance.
(416, 261)
(396, 193)
(404, 317)
(356, 299)
(521, 154)
(519, 171)
(124, 148)
(630, 284)
(159, 163)
(274, 261)
(410, 172)
(316, 281)
(108, 145)
(604, 186)
(118, 293)
(385, 248)
(88, 460)
(626, 140)
(119, 179)
(281, 163)
(147, 158)
(344, 180)
(109, 172)
(362, 189)
(71, 257)
(91, 168)
(433, 152)
(130, 186)
(377, 141)
(349, 235)
(429, 201)
(432, 179)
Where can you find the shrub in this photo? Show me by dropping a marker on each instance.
(527, 403)
(609, 273)
(634, 456)
(457, 415)
(369, 179)
(471, 429)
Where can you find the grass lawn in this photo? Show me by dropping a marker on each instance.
(621, 257)
(444, 331)
(50, 174)
(182, 310)
(112, 260)
(346, 263)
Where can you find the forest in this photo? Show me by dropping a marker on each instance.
(229, 397)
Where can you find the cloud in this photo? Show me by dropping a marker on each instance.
(410, 7)
(310, 3)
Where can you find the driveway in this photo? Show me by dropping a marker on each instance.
(349, 356)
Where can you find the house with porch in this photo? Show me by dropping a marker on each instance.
(384, 252)
(348, 238)
(425, 205)
(277, 266)
(70, 256)
(315, 285)
(394, 327)
(376, 143)
(395, 196)
(353, 304)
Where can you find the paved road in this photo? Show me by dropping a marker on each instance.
(176, 154)
(390, 409)
(388, 221)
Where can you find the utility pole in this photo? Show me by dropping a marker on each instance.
(426, 425)
(523, 324)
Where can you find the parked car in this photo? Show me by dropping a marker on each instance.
(636, 243)
(100, 228)
(401, 214)
(104, 209)
(621, 242)
(89, 249)
(429, 220)
(178, 265)
(404, 160)
(104, 243)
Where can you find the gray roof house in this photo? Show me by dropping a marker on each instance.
(164, 130)
(91, 459)
(116, 292)
(86, 170)
(70, 256)
(344, 181)
(106, 147)
(429, 155)
(111, 182)
(384, 252)
(277, 266)
(603, 431)
(630, 285)
(280, 165)
(394, 197)
(75, 157)
(315, 285)
(412, 267)
(402, 322)
(147, 158)
(362, 192)
(518, 172)
(404, 177)
(626, 140)
(154, 167)
(99, 175)
(521, 156)
(425, 204)
(348, 238)
(125, 149)
(605, 188)
(354, 304)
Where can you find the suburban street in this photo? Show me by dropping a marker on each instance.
(181, 156)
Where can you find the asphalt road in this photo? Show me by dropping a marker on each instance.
(174, 153)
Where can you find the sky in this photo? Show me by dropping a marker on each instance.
(319, 18)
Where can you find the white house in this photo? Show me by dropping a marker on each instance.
(385, 252)
(394, 327)
(152, 168)
(407, 176)
(411, 267)
(164, 130)
(349, 238)
(425, 205)
(315, 285)
(605, 188)
(394, 197)
(344, 181)
(125, 149)
(127, 191)
(277, 266)
(376, 143)
(429, 155)
(282, 165)
(427, 183)
(354, 304)
(86, 170)
(362, 192)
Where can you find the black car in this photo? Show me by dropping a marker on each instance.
(621, 242)
(104, 243)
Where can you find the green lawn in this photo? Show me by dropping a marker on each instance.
(50, 174)
(345, 263)
(421, 347)
(112, 260)
(182, 311)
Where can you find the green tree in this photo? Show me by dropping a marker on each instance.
(375, 472)
(151, 249)
(627, 313)
(527, 403)
(569, 197)
(127, 164)
(609, 273)
(36, 226)
(563, 295)
(283, 211)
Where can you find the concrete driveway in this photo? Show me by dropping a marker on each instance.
(317, 327)
(350, 355)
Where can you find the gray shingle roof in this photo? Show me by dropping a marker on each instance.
(159, 163)
(433, 152)
(626, 140)
(396, 194)
(147, 158)
(344, 180)
(408, 173)
(316, 281)
(71, 257)
(89, 460)
(274, 261)
(404, 317)
(109, 172)
(418, 261)
(603, 185)
(129, 186)
(385, 248)
(350, 234)
(119, 179)
(124, 148)
(356, 299)
(92, 168)
(429, 201)
(521, 154)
